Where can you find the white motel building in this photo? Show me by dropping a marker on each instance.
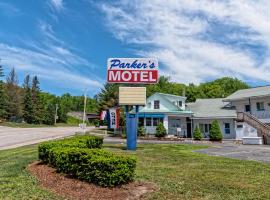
(244, 115)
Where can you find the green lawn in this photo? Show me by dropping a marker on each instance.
(175, 169)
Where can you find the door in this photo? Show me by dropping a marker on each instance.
(173, 125)
(189, 127)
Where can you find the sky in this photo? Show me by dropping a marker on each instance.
(66, 43)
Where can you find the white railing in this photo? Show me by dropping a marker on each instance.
(264, 114)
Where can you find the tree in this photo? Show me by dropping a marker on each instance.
(215, 132)
(108, 97)
(197, 134)
(160, 130)
(36, 102)
(27, 101)
(14, 110)
(3, 97)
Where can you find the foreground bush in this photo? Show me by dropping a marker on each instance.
(93, 165)
(215, 132)
(85, 141)
(160, 130)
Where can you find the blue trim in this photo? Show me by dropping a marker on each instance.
(144, 115)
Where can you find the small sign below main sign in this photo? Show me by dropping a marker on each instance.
(132, 70)
(132, 96)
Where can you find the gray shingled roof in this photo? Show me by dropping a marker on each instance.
(211, 108)
(247, 93)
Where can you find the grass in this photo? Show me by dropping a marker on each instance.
(175, 169)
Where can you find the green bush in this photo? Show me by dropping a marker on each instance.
(197, 134)
(74, 157)
(215, 132)
(141, 131)
(85, 141)
(160, 130)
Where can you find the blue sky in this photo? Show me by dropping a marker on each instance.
(66, 43)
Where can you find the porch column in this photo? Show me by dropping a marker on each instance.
(166, 123)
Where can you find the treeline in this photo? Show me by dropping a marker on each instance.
(29, 104)
(219, 88)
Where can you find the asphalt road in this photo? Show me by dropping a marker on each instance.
(259, 153)
(16, 137)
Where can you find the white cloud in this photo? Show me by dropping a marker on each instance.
(172, 31)
(57, 4)
(47, 67)
(51, 60)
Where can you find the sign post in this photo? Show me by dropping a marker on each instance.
(132, 71)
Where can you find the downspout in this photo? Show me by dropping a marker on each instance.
(249, 101)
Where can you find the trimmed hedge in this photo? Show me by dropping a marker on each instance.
(73, 156)
(85, 141)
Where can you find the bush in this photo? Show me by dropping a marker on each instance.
(160, 130)
(86, 141)
(74, 157)
(94, 165)
(215, 132)
(141, 131)
(197, 134)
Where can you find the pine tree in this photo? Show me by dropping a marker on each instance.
(14, 110)
(197, 135)
(49, 114)
(215, 132)
(3, 97)
(27, 101)
(36, 101)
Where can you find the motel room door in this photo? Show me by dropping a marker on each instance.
(174, 123)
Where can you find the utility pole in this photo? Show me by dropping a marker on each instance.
(55, 116)
(84, 110)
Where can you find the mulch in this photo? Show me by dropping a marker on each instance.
(71, 188)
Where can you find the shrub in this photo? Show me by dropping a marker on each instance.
(86, 141)
(215, 132)
(160, 130)
(96, 166)
(141, 131)
(197, 134)
(73, 156)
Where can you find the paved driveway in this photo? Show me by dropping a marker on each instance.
(244, 152)
(16, 137)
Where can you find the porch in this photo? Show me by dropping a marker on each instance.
(175, 125)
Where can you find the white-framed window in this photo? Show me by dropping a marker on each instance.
(141, 122)
(148, 121)
(156, 104)
(260, 106)
(227, 128)
(156, 121)
(180, 103)
(205, 128)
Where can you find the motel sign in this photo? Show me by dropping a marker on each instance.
(132, 70)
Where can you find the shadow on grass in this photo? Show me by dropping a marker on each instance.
(120, 147)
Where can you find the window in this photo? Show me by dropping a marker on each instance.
(156, 121)
(247, 108)
(141, 122)
(156, 104)
(201, 127)
(239, 126)
(205, 128)
(180, 103)
(260, 106)
(227, 128)
(148, 121)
